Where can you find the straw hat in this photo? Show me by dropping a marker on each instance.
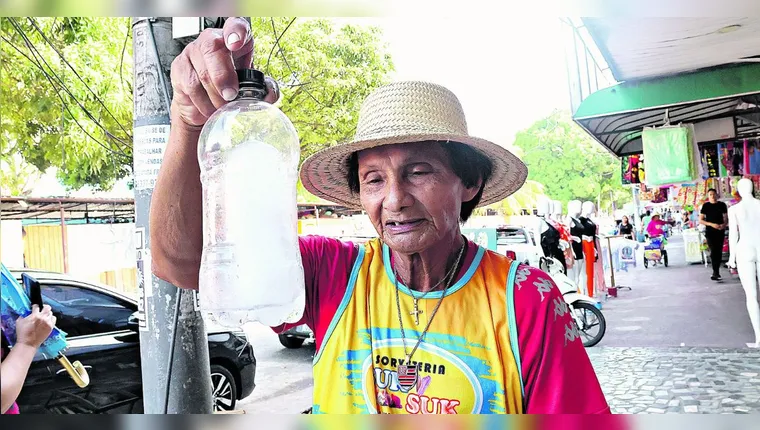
(407, 112)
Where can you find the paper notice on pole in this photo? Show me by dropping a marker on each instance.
(144, 286)
(149, 144)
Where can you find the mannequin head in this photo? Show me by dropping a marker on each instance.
(745, 188)
(557, 208)
(588, 209)
(543, 206)
(574, 208)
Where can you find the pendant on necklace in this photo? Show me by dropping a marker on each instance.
(407, 374)
(416, 313)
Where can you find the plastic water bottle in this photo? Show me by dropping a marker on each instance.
(251, 268)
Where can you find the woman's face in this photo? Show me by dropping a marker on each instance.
(625, 220)
(411, 194)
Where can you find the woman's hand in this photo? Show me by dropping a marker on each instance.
(203, 76)
(36, 327)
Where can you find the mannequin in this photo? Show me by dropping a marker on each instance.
(578, 274)
(564, 234)
(557, 210)
(744, 237)
(590, 251)
(548, 233)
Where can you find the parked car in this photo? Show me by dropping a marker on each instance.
(295, 337)
(102, 330)
(519, 241)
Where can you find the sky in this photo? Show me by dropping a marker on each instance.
(506, 72)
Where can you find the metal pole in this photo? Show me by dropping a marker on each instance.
(173, 343)
(64, 242)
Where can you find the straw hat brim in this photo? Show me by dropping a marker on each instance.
(324, 174)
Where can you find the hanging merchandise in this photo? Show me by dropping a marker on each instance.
(756, 182)
(625, 170)
(753, 158)
(660, 195)
(745, 159)
(732, 159)
(724, 187)
(642, 173)
(711, 161)
(672, 156)
(721, 151)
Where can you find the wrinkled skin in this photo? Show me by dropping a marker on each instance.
(414, 184)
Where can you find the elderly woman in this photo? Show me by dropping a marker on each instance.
(419, 320)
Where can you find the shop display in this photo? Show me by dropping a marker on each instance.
(673, 158)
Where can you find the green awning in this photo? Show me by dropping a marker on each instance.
(615, 116)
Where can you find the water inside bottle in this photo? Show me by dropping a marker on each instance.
(251, 267)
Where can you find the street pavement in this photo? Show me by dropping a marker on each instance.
(674, 344)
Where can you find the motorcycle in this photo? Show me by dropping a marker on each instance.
(587, 317)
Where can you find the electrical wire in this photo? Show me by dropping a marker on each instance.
(33, 50)
(121, 63)
(48, 76)
(60, 54)
(284, 58)
(277, 40)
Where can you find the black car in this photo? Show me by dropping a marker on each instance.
(102, 330)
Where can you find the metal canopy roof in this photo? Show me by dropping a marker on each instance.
(73, 208)
(109, 210)
(639, 48)
(616, 116)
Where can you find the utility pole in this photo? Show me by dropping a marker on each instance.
(173, 342)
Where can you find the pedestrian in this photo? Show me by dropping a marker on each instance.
(420, 311)
(685, 220)
(31, 331)
(714, 216)
(625, 228)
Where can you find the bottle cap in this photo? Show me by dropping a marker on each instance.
(251, 78)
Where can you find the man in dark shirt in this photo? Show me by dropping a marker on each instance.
(714, 216)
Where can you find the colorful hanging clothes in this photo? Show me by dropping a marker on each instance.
(600, 281)
(564, 235)
(589, 254)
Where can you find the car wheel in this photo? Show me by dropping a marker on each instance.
(224, 394)
(291, 342)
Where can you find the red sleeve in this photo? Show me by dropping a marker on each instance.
(327, 265)
(557, 372)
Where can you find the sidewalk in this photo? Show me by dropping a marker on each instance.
(679, 380)
(677, 306)
(676, 343)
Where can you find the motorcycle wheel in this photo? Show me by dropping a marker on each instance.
(665, 258)
(589, 314)
(646, 263)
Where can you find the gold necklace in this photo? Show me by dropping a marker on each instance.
(406, 370)
(416, 312)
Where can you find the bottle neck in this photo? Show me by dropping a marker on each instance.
(250, 92)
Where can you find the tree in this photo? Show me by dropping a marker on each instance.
(53, 120)
(17, 177)
(66, 97)
(570, 164)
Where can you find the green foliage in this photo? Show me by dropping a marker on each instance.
(36, 123)
(325, 72)
(570, 164)
(525, 198)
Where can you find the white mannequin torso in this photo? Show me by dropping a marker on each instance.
(744, 219)
(744, 237)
